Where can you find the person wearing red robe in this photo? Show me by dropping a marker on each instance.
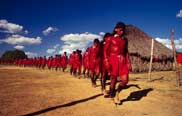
(77, 63)
(104, 65)
(43, 62)
(117, 55)
(37, 62)
(49, 62)
(71, 61)
(40, 62)
(94, 61)
(33, 62)
(57, 62)
(80, 62)
(54, 62)
(179, 59)
(86, 63)
(64, 61)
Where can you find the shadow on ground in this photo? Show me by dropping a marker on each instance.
(137, 95)
(63, 105)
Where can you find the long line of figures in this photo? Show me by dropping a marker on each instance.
(108, 58)
(57, 62)
(91, 63)
(92, 58)
(139, 63)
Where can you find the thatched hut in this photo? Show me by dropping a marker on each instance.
(140, 48)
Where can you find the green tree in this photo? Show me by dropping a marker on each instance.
(15, 54)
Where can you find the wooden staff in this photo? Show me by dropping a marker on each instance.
(174, 55)
(151, 57)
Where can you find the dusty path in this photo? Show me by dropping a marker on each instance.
(28, 91)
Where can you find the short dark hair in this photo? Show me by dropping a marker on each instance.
(120, 25)
(107, 35)
(96, 40)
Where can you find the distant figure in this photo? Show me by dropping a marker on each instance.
(57, 62)
(64, 61)
(80, 60)
(71, 60)
(43, 62)
(49, 62)
(179, 59)
(94, 61)
(86, 63)
(117, 55)
(77, 62)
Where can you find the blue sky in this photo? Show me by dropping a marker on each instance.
(52, 26)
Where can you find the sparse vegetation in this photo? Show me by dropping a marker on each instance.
(54, 93)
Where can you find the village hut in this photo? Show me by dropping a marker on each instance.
(139, 44)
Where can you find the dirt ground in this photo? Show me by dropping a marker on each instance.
(29, 91)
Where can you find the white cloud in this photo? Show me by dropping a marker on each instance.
(21, 40)
(49, 30)
(179, 14)
(102, 33)
(77, 41)
(19, 47)
(26, 32)
(51, 51)
(31, 54)
(56, 46)
(7, 27)
(167, 42)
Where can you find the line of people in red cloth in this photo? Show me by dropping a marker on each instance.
(108, 58)
(57, 62)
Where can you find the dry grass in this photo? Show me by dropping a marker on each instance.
(50, 93)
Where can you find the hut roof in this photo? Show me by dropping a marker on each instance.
(140, 43)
